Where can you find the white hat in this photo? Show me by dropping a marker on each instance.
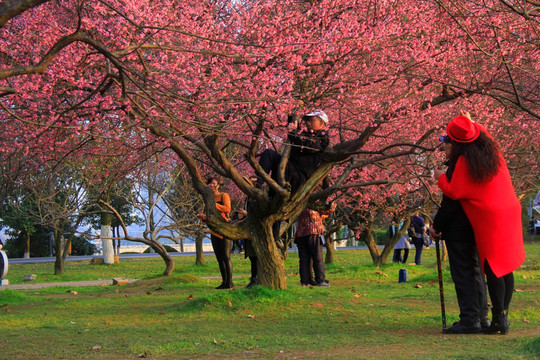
(320, 114)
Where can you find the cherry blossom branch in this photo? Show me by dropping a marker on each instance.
(42, 66)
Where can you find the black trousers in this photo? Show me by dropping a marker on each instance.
(310, 256)
(397, 255)
(253, 261)
(468, 281)
(270, 160)
(222, 250)
(419, 246)
(500, 288)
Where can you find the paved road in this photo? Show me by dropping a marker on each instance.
(130, 256)
(30, 286)
(89, 257)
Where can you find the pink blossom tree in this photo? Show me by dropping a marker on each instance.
(210, 84)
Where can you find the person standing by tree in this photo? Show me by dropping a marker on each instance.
(418, 225)
(249, 250)
(220, 244)
(481, 182)
(452, 225)
(402, 244)
(308, 239)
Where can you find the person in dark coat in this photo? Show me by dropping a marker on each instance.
(452, 225)
(419, 226)
(307, 147)
(249, 250)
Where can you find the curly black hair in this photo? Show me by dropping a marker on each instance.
(483, 157)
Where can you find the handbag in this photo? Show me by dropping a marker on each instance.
(427, 239)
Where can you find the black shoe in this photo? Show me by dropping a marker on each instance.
(484, 323)
(252, 283)
(312, 282)
(306, 285)
(222, 286)
(499, 323)
(459, 328)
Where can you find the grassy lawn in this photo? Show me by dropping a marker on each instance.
(365, 314)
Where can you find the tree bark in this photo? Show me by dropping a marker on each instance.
(106, 241)
(199, 254)
(59, 260)
(367, 237)
(329, 257)
(270, 262)
(11, 8)
(160, 249)
(27, 246)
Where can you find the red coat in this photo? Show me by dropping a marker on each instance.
(494, 212)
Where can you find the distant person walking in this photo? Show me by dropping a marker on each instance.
(481, 182)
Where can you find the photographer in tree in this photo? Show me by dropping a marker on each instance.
(307, 146)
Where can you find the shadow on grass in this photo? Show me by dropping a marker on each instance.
(240, 299)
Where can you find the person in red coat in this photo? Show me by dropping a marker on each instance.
(481, 182)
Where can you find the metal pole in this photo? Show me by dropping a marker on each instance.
(441, 289)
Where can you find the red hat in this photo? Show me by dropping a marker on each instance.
(462, 129)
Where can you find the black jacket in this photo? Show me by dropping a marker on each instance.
(307, 148)
(452, 221)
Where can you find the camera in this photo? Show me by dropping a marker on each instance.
(292, 119)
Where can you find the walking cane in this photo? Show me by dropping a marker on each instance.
(441, 290)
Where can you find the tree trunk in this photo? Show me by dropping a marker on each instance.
(199, 254)
(270, 262)
(106, 241)
(59, 259)
(169, 263)
(114, 232)
(367, 237)
(329, 258)
(59, 265)
(27, 246)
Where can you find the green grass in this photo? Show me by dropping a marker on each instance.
(365, 314)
